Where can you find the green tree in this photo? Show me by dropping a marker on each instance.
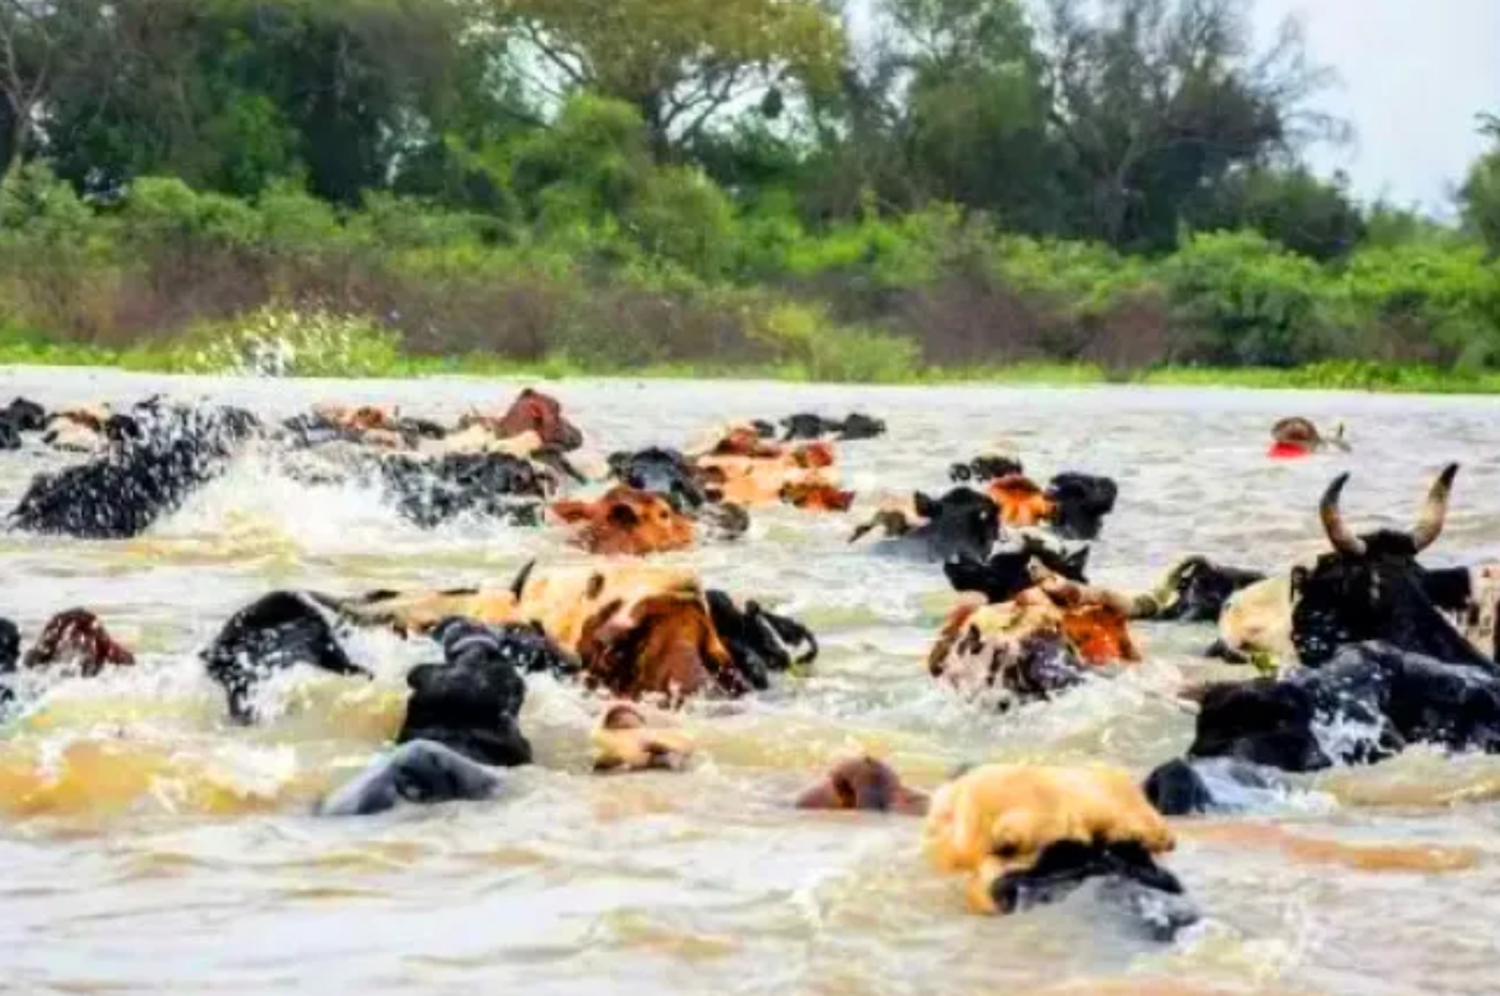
(679, 62)
(1480, 194)
(1309, 216)
(1156, 99)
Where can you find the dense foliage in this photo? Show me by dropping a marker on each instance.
(964, 183)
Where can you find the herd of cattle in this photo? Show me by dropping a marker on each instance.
(1365, 637)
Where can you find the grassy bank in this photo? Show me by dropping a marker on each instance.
(333, 357)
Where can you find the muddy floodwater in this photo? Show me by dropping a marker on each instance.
(148, 847)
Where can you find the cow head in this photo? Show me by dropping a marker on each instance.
(471, 701)
(627, 522)
(816, 496)
(961, 524)
(1026, 835)
(760, 642)
(1262, 721)
(1196, 589)
(624, 740)
(863, 783)
(1081, 501)
(661, 645)
(77, 637)
(663, 471)
(1010, 653)
(1371, 587)
(542, 414)
(1008, 573)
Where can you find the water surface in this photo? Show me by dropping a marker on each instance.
(146, 847)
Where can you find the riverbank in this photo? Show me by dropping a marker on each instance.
(383, 362)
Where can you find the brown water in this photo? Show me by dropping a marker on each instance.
(145, 847)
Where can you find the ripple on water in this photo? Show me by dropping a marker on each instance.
(150, 847)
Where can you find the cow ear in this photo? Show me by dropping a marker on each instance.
(1078, 560)
(621, 514)
(926, 507)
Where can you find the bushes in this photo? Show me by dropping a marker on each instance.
(1248, 301)
(653, 266)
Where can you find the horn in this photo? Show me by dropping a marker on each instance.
(1435, 511)
(1333, 521)
(519, 584)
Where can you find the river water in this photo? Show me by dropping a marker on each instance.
(145, 847)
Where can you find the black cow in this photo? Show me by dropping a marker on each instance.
(1008, 573)
(1372, 588)
(1197, 588)
(157, 457)
(461, 721)
(274, 633)
(1082, 501)
(1380, 697)
(758, 641)
(663, 471)
(803, 426)
(430, 492)
(961, 525)
(985, 468)
(19, 417)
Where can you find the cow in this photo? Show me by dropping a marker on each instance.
(863, 783)
(155, 459)
(765, 474)
(1007, 573)
(666, 472)
(625, 522)
(461, 724)
(1080, 503)
(1371, 587)
(1008, 654)
(633, 629)
(531, 411)
(962, 524)
(1366, 704)
(1298, 437)
(804, 426)
(18, 419)
(624, 740)
(1026, 835)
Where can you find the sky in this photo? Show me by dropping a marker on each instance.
(1412, 76)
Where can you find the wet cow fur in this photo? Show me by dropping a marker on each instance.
(1371, 587)
(461, 723)
(1392, 697)
(275, 633)
(156, 459)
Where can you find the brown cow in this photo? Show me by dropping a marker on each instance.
(863, 783)
(663, 645)
(623, 740)
(626, 522)
(1018, 831)
(77, 637)
(532, 411)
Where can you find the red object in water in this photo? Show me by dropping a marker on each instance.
(1286, 451)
